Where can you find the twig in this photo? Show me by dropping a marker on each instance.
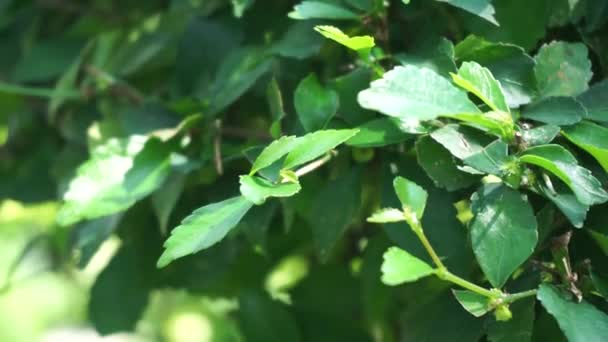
(217, 148)
(308, 168)
(116, 86)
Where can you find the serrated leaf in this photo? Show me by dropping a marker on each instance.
(377, 133)
(205, 227)
(462, 142)
(386, 215)
(480, 81)
(561, 163)
(412, 196)
(321, 10)
(562, 69)
(503, 232)
(555, 111)
(481, 8)
(580, 322)
(357, 43)
(315, 104)
(439, 165)
(257, 189)
(316, 144)
(118, 174)
(409, 92)
(596, 101)
(492, 159)
(476, 304)
(592, 138)
(401, 267)
(273, 152)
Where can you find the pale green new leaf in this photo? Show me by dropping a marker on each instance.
(401, 267)
(476, 304)
(257, 189)
(480, 81)
(503, 231)
(410, 92)
(386, 215)
(357, 43)
(580, 322)
(412, 196)
(118, 174)
(273, 152)
(203, 228)
(592, 138)
(314, 145)
(321, 10)
(561, 163)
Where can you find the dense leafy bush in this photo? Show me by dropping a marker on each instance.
(247, 150)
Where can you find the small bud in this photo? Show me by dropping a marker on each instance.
(502, 313)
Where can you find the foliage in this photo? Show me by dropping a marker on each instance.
(236, 148)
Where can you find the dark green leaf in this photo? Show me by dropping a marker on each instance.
(503, 232)
(556, 111)
(377, 133)
(519, 328)
(595, 101)
(481, 8)
(541, 135)
(462, 142)
(562, 69)
(592, 138)
(580, 322)
(315, 104)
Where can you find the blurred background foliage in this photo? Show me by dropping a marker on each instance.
(76, 74)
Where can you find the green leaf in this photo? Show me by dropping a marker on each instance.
(333, 210)
(592, 138)
(118, 174)
(580, 322)
(315, 104)
(357, 43)
(165, 199)
(575, 211)
(300, 41)
(257, 189)
(439, 165)
(562, 69)
(555, 111)
(273, 152)
(240, 6)
(480, 81)
(595, 101)
(541, 135)
(409, 92)
(508, 63)
(401, 267)
(503, 232)
(264, 319)
(493, 159)
(386, 215)
(517, 329)
(462, 142)
(412, 196)
(378, 133)
(205, 227)
(499, 124)
(561, 163)
(481, 8)
(476, 304)
(316, 144)
(321, 10)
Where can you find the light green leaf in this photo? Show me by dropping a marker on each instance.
(205, 227)
(592, 138)
(321, 10)
(476, 304)
(580, 322)
(379, 132)
(409, 92)
(240, 6)
(257, 189)
(412, 196)
(503, 232)
(357, 43)
(497, 123)
(273, 152)
(480, 81)
(401, 267)
(596, 101)
(118, 174)
(439, 165)
(481, 8)
(561, 163)
(315, 104)
(562, 69)
(386, 215)
(316, 144)
(555, 111)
